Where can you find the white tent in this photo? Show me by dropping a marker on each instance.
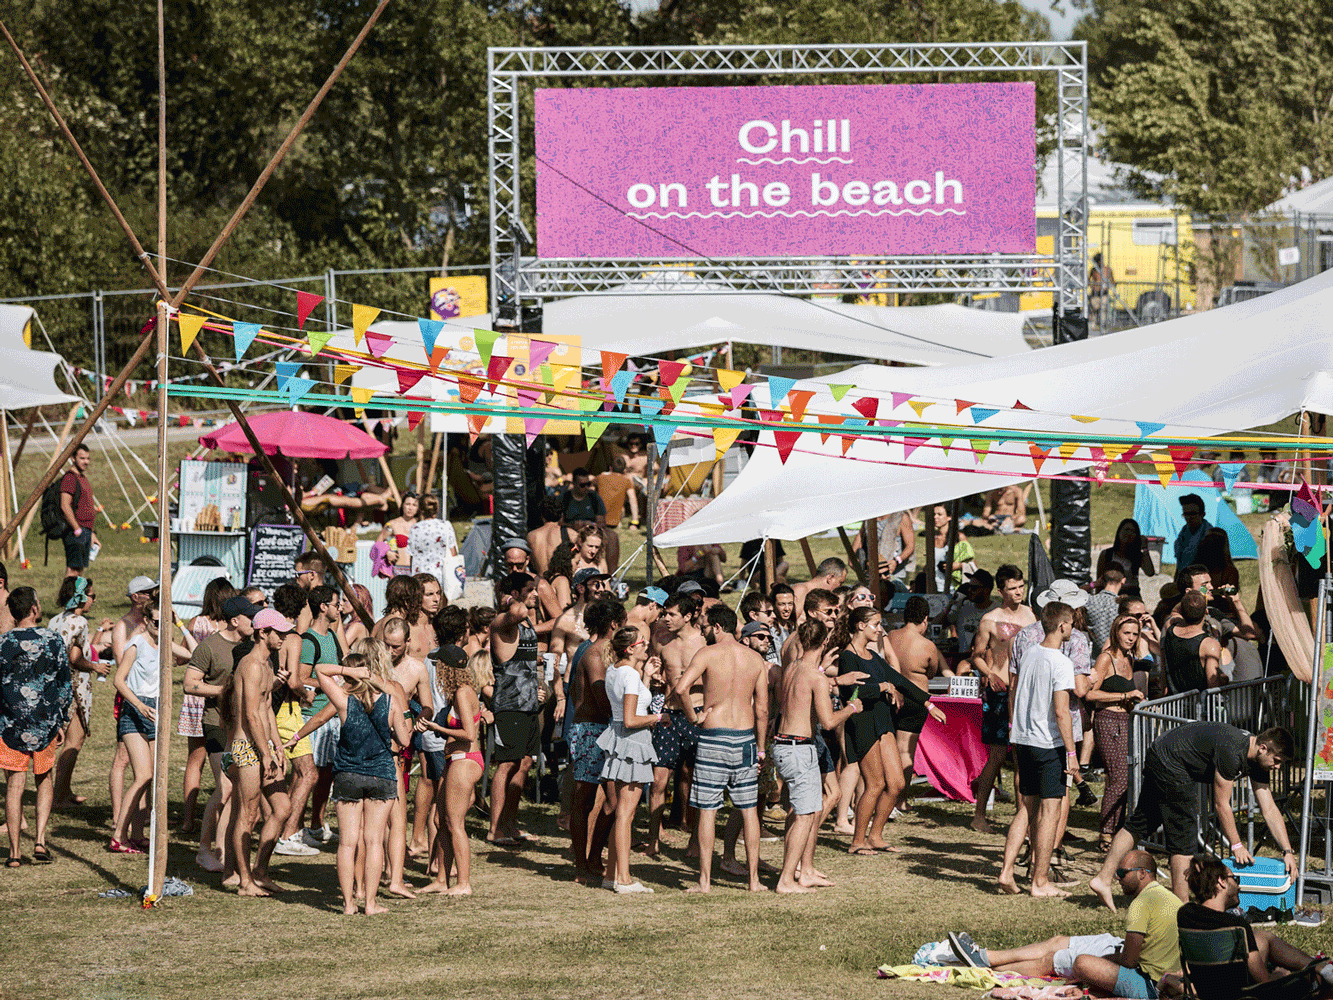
(27, 377)
(1224, 370)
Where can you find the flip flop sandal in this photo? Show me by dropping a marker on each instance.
(12, 862)
(41, 855)
(864, 852)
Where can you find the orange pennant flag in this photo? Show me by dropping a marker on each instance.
(800, 398)
(475, 422)
(1038, 456)
(611, 363)
(825, 418)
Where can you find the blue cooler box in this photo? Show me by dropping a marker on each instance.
(1265, 883)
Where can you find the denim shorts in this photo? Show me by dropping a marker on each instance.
(1134, 984)
(351, 787)
(132, 722)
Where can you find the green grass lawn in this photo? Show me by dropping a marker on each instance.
(529, 931)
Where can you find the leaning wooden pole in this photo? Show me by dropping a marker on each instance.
(119, 382)
(166, 617)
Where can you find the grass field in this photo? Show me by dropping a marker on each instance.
(529, 931)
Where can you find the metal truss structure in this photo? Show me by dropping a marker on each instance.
(515, 277)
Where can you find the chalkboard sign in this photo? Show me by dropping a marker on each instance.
(273, 549)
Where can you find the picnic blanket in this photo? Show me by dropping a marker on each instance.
(961, 975)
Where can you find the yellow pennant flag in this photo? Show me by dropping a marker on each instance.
(341, 373)
(1085, 420)
(919, 405)
(190, 327)
(729, 379)
(1114, 451)
(362, 317)
(1165, 467)
(1067, 450)
(361, 395)
(724, 438)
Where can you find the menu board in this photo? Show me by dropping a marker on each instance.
(273, 550)
(212, 496)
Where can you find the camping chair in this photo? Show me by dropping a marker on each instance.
(1215, 966)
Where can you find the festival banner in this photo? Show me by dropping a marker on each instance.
(452, 298)
(693, 172)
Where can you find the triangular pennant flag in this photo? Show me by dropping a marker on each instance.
(824, 418)
(532, 426)
(317, 339)
(771, 416)
(945, 445)
(1020, 405)
(407, 378)
(1230, 473)
(650, 407)
(361, 395)
(297, 386)
(800, 399)
(341, 373)
(189, 327)
(1067, 449)
(669, 371)
(1180, 458)
(611, 362)
(1039, 456)
(362, 317)
(899, 398)
(729, 379)
(592, 432)
(414, 418)
(469, 388)
(485, 340)
(867, 406)
(920, 406)
(786, 440)
(475, 422)
(244, 335)
(849, 439)
(283, 370)
(378, 343)
(620, 383)
(911, 444)
(526, 396)
(1310, 542)
(895, 423)
(437, 356)
(587, 404)
(495, 370)
(430, 329)
(130, 416)
(677, 389)
(1113, 452)
(662, 433)
(838, 392)
(980, 413)
(739, 394)
(306, 301)
(723, 438)
(1304, 504)
(1084, 420)
(1161, 461)
(778, 387)
(1147, 427)
(962, 405)
(539, 351)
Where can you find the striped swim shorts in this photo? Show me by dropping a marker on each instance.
(726, 760)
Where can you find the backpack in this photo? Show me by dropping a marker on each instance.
(54, 524)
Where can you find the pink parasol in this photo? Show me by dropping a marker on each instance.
(297, 434)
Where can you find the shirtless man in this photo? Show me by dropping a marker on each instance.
(142, 592)
(257, 755)
(918, 661)
(674, 737)
(544, 540)
(422, 639)
(990, 658)
(646, 612)
(829, 575)
(309, 575)
(411, 675)
(590, 711)
(819, 603)
(731, 743)
(804, 697)
(402, 599)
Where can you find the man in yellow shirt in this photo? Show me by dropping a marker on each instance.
(1152, 940)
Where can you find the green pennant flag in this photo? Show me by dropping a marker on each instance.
(980, 449)
(485, 344)
(839, 391)
(945, 445)
(317, 339)
(677, 389)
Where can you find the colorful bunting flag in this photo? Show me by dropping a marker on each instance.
(283, 370)
(297, 386)
(662, 433)
(723, 438)
(361, 395)
(1113, 452)
(437, 356)
(867, 406)
(980, 413)
(469, 388)
(1161, 461)
(430, 330)
(1304, 504)
(849, 439)
(485, 341)
(825, 418)
(306, 302)
(1180, 458)
(1147, 427)
(539, 351)
(341, 373)
(963, 404)
(532, 427)
(189, 328)
(911, 444)
(838, 391)
(729, 379)
(475, 422)
(899, 398)
(1067, 450)
(243, 335)
(778, 387)
(318, 339)
(920, 406)
(786, 441)
(669, 371)
(414, 418)
(650, 407)
(1084, 420)
(800, 399)
(739, 394)
(1019, 405)
(611, 362)
(362, 317)
(1039, 456)
(945, 445)
(1230, 473)
(620, 383)
(495, 370)
(407, 378)
(378, 343)
(526, 396)
(677, 389)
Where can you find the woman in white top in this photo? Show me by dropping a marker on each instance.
(628, 743)
(137, 675)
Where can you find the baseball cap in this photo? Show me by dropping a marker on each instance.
(268, 618)
(237, 607)
(655, 594)
(588, 573)
(690, 587)
(140, 585)
(1064, 591)
(516, 543)
(453, 656)
(754, 628)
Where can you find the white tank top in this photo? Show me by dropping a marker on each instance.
(146, 671)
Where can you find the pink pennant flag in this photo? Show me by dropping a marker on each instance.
(538, 352)
(899, 398)
(739, 395)
(532, 426)
(911, 444)
(305, 303)
(527, 397)
(378, 343)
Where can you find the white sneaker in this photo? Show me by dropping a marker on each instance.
(631, 888)
(295, 847)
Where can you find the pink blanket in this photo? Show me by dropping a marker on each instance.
(952, 755)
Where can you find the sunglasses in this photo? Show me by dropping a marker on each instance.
(1122, 872)
(152, 621)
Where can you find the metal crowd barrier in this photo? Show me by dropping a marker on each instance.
(1252, 706)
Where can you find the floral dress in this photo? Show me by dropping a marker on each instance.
(430, 542)
(191, 721)
(73, 631)
(35, 688)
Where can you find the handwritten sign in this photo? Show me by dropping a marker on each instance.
(273, 550)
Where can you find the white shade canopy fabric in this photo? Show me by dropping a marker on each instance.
(1224, 370)
(27, 377)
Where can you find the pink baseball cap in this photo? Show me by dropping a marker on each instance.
(268, 618)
